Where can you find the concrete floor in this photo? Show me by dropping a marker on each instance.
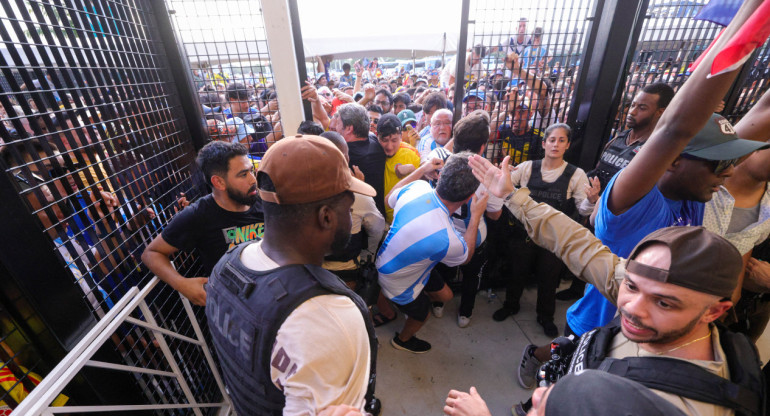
(486, 354)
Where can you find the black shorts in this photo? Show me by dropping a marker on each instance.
(419, 308)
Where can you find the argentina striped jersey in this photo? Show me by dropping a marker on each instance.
(421, 236)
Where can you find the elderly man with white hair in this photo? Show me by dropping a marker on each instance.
(440, 133)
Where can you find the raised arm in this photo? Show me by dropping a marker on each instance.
(478, 206)
(687, 113)
(310, 93)
(551, 229)
(531, 80)
(423, 170)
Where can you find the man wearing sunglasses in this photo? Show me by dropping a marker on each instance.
(660, 189)
(686, 160)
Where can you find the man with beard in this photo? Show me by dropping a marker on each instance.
(646, 108)
(231, 214)
(673, 286)
(292, 339)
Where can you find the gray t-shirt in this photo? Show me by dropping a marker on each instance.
(742, 218)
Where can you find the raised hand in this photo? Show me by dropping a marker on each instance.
(593, 188)
(496, 180)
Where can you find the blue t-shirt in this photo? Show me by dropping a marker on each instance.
(621, 233)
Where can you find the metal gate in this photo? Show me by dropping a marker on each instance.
(229, 66)
(670, 41)
(656, 42)
(549, 38)
(96, 152)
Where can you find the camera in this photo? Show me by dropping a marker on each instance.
(558, 366)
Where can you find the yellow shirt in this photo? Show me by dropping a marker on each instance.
(406, 155)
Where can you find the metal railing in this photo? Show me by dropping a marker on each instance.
(134, 301)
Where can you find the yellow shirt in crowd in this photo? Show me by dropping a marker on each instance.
(406, 155)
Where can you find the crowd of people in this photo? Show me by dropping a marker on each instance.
(662, 230)
(384, 189)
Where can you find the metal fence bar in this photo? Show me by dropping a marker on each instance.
(60, 376)
(206, 352)
(129, 368)
(128, 408)
(278, 29)
(169, 356)
(38, 402)
(158, 329)
(549, 39)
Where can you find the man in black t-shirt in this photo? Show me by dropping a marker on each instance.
(352, 122)
(231, 214)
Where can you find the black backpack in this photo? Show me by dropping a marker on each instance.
(744, 392)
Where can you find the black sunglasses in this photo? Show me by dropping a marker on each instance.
(717, 166)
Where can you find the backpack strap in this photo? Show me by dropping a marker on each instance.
(684, 379)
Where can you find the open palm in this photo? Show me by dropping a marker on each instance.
(496, 180)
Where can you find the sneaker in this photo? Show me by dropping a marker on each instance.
(463, 321)
(518, 410)
(549, 328)
(569, 294)
(504, 312)
(438, 309)
(414, 345)
(522, 409)
(528, 367)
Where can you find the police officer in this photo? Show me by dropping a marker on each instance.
(291, 337)
(643, 114)
(646, 108)
(563, 186)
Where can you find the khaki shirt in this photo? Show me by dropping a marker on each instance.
(592, 261)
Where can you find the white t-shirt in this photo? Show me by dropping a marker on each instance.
(321, 353)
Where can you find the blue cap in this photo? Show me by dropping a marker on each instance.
(475, 93)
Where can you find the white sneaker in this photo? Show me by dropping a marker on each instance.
(463, 321)
(438, 311)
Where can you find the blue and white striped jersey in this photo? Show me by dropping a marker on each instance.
(421, 236)
(425, 145)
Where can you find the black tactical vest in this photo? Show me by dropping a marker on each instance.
(245, 309)
(616, 156)
(744, 392)
(553, 194)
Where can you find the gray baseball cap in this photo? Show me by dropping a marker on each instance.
(717, 140)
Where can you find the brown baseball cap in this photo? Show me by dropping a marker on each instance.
(700, 260)
(307, 169)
